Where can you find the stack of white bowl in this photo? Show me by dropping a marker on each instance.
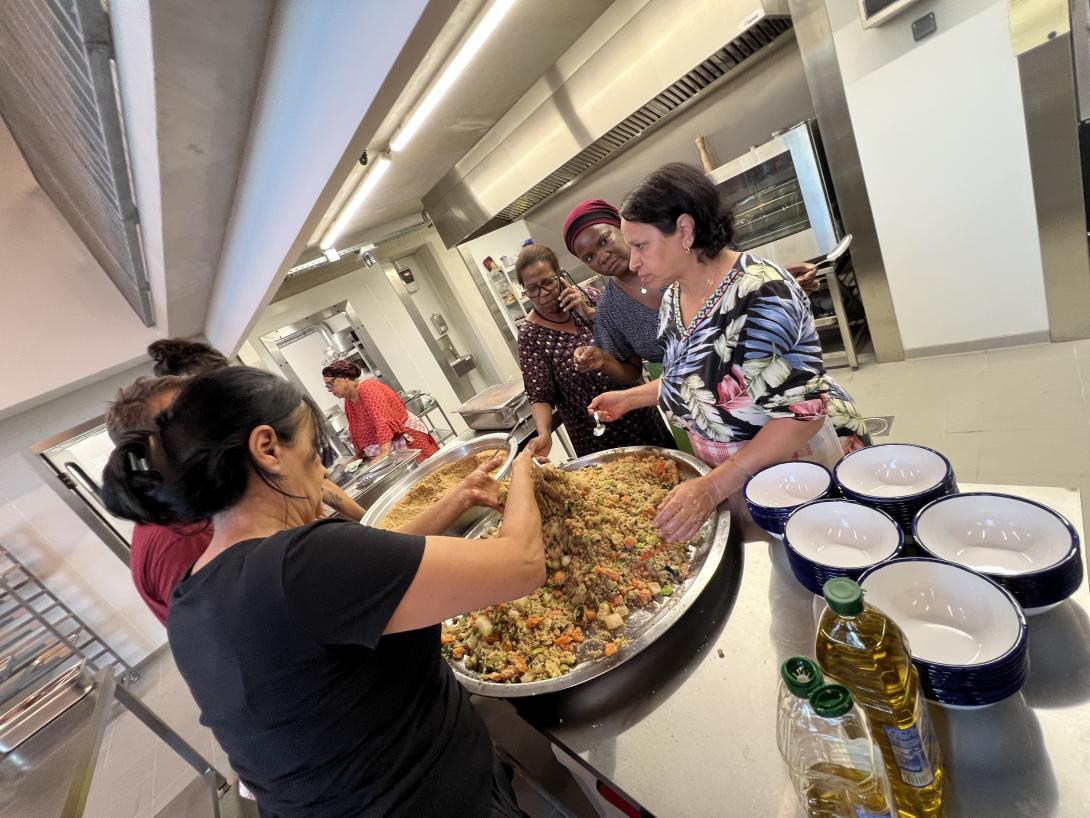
(898, 478)
(1021, 545)
(967, 635)
(838, 538)
(774, 492)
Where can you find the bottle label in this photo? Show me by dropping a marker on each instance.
(909, 754)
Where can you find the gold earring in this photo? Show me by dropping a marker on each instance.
(688, 251)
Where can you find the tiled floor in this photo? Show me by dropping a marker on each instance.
(1007, 416)
(1012, 416)
(137, 774)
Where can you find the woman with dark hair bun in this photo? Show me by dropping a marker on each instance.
(742, 368)
(312, 646)
(377, 419)
(181, 356)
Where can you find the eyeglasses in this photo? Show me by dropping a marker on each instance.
(329, 384)
(549, 285)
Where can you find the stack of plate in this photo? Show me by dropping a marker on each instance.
(898, 478)
(838, 538)
(1023, 546)
(967, 635)
(774, 492)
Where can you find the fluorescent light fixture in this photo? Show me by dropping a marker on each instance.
(331, 254)
(373, 177)
(469, 49)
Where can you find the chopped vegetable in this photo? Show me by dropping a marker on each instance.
(604, 560)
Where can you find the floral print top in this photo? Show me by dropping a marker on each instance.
(749, 355)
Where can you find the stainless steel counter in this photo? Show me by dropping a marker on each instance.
(689, 730)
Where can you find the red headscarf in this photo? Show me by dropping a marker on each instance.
(584, 214)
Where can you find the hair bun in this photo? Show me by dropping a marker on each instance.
(343, 369)
(182, 356)
(130, 482)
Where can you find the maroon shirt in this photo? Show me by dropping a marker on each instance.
(161, 556)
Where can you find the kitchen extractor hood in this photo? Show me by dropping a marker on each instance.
(639, 63)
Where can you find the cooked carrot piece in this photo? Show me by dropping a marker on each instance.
(611, 648)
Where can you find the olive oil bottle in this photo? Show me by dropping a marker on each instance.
(863, 649)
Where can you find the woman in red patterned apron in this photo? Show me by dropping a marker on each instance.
(377, 419)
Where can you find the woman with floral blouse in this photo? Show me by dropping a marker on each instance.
(742, 369)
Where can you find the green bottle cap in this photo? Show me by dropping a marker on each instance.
(844, 596)
(830, 701)
(801, 675)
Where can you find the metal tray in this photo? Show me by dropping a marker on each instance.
(500, 406)
(444, 457)
(643, 626)
(373, 473)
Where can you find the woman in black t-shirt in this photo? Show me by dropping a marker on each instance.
(312, 646)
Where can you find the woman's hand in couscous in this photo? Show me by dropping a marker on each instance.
(479, 488)
(685, 509)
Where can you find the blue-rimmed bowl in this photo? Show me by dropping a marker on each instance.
(776, 491)
(967, 634)
(898, 478)
(838, 538)
(1025, 546)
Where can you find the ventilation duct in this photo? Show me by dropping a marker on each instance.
(59, 99)
(551, 138)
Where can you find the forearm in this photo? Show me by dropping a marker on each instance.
(521, 516)
(439, 517)
(336, 498)
(384, 450)
(620, 372)
(543, 418)
(646, 394)
(777, 442)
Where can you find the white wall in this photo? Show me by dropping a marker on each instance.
(314, 95)
(47, 536)
(429, 299)
(384, 318)
(63, 320)
(942, 142)
(491, 350)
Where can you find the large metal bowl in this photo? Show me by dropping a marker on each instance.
(446, 456)
(643, 626)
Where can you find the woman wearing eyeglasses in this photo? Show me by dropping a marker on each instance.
(377, 419)
(561, 321)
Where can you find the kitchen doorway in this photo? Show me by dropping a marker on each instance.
(433, 309)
